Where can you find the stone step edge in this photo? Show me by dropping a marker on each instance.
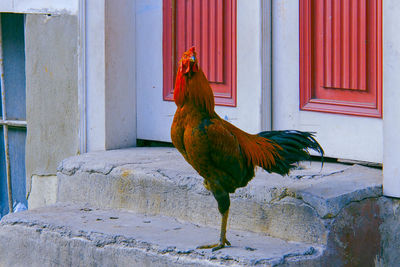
(151, 193)
(345, 184)
(43, 222)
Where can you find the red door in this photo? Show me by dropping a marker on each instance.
(341, 56)
(210, 26)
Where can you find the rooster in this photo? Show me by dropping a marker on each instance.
(221, 153)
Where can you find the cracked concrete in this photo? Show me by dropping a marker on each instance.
(149, 240)
(337, 216)
(159, 181)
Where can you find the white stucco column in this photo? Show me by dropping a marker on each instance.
(110, 74)
(391, 98)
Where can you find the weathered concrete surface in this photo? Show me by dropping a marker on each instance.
(51, 92)
(339, 211)
(68, 235)
(43, 191)
(390, 231)
(355, 238)
(300, 207)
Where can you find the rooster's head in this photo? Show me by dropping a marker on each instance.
(188, 63)
(191, 85)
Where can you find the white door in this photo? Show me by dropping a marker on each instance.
(342, 136)
(154, 114)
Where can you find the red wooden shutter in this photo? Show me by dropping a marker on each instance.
(210, 25)
(341, 56)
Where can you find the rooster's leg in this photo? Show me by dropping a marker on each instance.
(222, 238)
(223, 206)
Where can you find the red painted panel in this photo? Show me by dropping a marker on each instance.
(340, 56)
(344, 43)
(210, 25)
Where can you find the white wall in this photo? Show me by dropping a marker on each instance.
(120, 74)
(40, 6)
(95, 75)
(52, 111)
(391, 97)
(106, 46)
(110, 74)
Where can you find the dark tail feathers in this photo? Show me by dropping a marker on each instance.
(295, 146)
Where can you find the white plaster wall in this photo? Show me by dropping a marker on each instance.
(110, 74)
(341, 136)
(391, 97)
(120, 117)
(249, 96)
(155, 115)
(40, 6)
(95, 75)
(51, 92)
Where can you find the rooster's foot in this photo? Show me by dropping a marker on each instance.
(215, 247)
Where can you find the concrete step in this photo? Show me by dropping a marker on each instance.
(77, 235)
(308, 206)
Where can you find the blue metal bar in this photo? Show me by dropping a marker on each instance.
(5, 126)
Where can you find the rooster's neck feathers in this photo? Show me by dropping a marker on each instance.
(193, 88)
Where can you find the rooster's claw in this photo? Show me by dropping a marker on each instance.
(215, 247)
